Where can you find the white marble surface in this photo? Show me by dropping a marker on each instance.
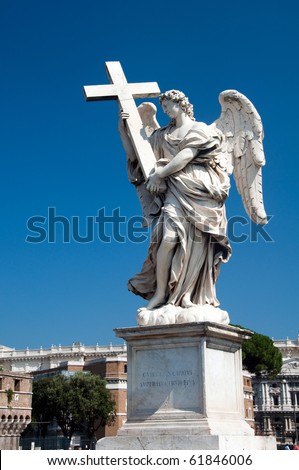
(187, 442)
(125, 93)
(166, 380)
(185, 389)
(168, 314)
(189, 241)
(182, 175)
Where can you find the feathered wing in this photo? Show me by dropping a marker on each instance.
(243, 130)
(147, 112)
(150, 204)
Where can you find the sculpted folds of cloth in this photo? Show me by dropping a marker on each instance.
(183, 198)
(189, 186)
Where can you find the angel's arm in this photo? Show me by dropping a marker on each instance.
(193, 141)
(126, 141)
(176, 164)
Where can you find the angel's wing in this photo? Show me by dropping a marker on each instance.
(243, 130)
(150, 204)
(147, 112)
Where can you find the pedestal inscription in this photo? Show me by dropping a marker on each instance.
(166, 379)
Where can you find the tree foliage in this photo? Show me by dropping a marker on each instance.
(78, 402)
(260, 356)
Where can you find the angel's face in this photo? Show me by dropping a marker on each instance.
(170, 108)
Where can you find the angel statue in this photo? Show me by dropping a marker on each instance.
(184, 200)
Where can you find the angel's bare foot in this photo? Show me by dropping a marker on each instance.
(186, 301)
(156, 300)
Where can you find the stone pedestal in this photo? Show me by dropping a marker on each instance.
(185, 390)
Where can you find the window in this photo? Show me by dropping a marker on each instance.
(17, 385)
(1, 383)
(275, 400)
(295, 398)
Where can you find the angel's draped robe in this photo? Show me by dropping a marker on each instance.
(194, 204)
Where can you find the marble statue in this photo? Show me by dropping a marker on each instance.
(182, 190)
(189, 185)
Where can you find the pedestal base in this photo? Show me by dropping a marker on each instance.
(165, 442)
(185, 389)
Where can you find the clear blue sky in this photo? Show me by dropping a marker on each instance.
(59, 151)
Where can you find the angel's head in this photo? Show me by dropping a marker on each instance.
(178, 97)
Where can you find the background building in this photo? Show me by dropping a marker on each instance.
(15, 407)
(109, 362)
(276, 401)
(248, 399)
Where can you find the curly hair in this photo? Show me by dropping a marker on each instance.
(178, 97)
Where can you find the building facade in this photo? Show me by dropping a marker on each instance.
(276, 401)
(114, 371)
(109, 362)
(15, 407)
(32, 360)
(248, 399)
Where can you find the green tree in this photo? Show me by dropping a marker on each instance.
(260, 356)
(78, 402)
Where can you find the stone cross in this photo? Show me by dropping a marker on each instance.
(124, 93)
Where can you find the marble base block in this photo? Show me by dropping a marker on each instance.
(185, 389)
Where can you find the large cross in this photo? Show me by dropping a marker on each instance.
(124, 93)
